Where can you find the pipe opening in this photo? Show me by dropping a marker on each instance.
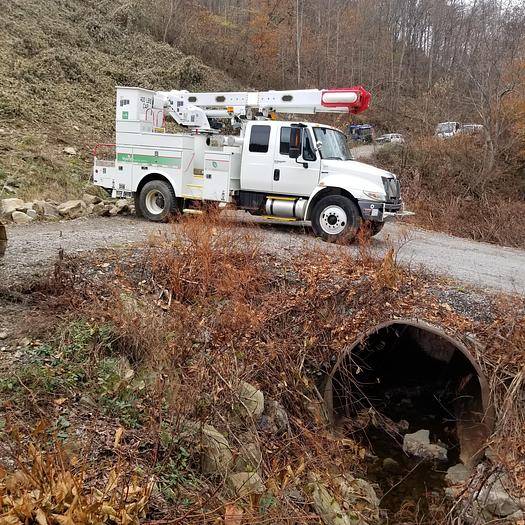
(403, 377)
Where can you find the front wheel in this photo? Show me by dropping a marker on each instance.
(156, 201)
(336, 217)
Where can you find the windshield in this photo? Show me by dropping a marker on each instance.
(334, 144)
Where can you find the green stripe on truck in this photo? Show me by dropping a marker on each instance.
(151, 160)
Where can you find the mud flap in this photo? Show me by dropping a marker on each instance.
(3, 240)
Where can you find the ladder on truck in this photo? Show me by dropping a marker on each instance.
(193, 110)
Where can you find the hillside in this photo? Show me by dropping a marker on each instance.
(59, 63)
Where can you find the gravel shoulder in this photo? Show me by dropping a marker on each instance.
(34, 247)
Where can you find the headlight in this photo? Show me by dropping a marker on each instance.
(375, 195)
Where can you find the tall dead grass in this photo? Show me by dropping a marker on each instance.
(443, 181)
(204, 308)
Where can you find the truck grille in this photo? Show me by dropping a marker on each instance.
(392, 189)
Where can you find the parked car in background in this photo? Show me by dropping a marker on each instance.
(391, 137)
(362, 133)
(449, 129)
(472, 129)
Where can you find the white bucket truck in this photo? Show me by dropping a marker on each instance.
(279, 170)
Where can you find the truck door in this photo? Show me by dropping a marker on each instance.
(295, 176)
(257, 157)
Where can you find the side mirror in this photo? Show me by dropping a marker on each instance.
(296, 142)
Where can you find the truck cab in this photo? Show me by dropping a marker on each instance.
(312, 163)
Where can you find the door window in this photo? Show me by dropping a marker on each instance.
(259, 139)
(284, 144)
(308, 150)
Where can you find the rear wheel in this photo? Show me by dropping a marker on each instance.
(336, 217)
(156, 201)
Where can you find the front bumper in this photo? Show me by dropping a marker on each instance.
(382, 211)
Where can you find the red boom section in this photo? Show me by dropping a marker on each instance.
(355, 99)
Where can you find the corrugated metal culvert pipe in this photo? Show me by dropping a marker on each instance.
(412, 371)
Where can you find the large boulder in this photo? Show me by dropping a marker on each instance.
(496, 499)
(91, 199)
(251, 402)
(246, 483)
(101, 209)
(19, 217)
(72, 209)
(216, 453)
(418, 444)
(50, 211)
(122, 205)
(8, 206)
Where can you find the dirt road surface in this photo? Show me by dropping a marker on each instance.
(364, 152)
(33, 248)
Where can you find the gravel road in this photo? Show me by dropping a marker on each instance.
(32, 248)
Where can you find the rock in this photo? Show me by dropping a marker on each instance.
(250, 455)
(517, 517)
(246, 483)
(8, 206)
(19, 217)
(391, 465)
(91, 199)
(494, 498)
(113, 211)
(216, 453)
(274, 419)
(122, 204)
(70, 150)
(46, 210)
(418, 444)
(101, 209)
(327, 507)
(72, 209)
(3, 334)
(358, 496)
(38, 206)
(50, 211)
(357, 502)
(457, 474)
(32, 213)
(251, 401)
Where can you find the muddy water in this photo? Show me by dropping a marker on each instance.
(409, 483)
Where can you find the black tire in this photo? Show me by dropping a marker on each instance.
(330, 224)
(372, 228)
(157, 201)
(138, 211)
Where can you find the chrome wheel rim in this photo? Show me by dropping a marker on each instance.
(155, 202)
(333, 220)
